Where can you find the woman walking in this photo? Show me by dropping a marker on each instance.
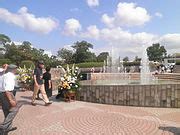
(48, 82)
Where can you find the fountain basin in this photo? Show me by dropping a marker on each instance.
(165, 94)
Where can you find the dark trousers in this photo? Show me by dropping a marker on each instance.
(9, 113)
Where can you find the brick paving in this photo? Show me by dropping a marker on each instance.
(82, 118)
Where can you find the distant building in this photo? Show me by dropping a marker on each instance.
(168, 61)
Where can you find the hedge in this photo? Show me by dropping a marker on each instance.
(5, 61)
(134, 63)
(27, 63)
(178, 62)
(87, 64)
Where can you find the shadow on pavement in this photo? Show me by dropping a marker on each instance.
(52, 98)
(174, 130)
(25, 102)
(27, 97)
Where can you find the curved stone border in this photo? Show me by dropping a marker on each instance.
(163, 95)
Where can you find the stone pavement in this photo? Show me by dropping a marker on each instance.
(82, 118)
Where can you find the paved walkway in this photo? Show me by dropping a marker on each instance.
(81, 118)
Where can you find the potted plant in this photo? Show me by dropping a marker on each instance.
(69, 83)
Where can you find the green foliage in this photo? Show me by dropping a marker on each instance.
(4, 39)
(126, 59)
(178, 62)
(91, 57)
(5, 61)
(88, 64)
(156, 52)
(66, 55)
(82, 52)
(137, 58)
(102, 56)
(134, 63)
(17, 54)
(27, 64)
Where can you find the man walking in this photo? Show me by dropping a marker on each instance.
(7, 99)
(39, 84)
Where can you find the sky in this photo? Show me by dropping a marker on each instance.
(124, 26)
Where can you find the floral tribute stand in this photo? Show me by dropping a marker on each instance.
(68, 84)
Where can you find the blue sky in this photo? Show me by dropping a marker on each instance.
(124, 24)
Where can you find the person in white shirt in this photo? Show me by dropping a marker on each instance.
(2, 71)
(7, 99)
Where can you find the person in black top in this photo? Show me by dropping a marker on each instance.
(39, 84)
(47, 82)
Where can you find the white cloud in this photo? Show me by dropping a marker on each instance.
(124, 42)
(17, 42)
(49, 53)
(92, 32)
(158, 15)
(171, 41)
(92, 3)
(127, 14)
(68, 47)
(107, 20)
(72, 26)
(28, 21)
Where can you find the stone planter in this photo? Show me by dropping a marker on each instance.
(70, 96)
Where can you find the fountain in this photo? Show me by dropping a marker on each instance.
(145, 74)
(134, 89)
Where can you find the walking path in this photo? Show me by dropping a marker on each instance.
(82, 118)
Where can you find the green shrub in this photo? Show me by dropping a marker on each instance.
(5, 61)
(178, 62)
(27, 64)
(87, 64)
(134, 63)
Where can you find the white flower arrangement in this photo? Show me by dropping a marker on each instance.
(69, 81)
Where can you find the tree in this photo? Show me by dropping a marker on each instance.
(13, 53)
(102, 56)
(156, 52)
(66, 55)
(91, 57)
(125, 59)
(3, 41)
(82, 52)
(137, 59)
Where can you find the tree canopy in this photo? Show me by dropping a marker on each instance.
(125, 59)
(82, 52)
(66, 55)
(156, 52)
(24, 52)
(102, 56)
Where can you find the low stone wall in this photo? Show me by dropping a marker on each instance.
(176, 69)
(166, 95)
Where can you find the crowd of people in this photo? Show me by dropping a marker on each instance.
(42, 84)
(164, 69)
